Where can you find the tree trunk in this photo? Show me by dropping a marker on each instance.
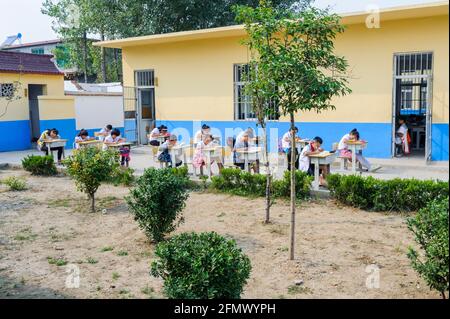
(293, 192)
(268, 176)
(102, 36)
(85, 56)
(92, 196)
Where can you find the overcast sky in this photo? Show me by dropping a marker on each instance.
(25, 16)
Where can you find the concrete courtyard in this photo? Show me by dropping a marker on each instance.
(142, 158)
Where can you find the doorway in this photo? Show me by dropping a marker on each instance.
(34, 90)
(146, 108)
(146, 114)
(412, 102)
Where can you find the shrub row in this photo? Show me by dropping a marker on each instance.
(430, 227)
(40, 165)
(241, 183)
(398, 195)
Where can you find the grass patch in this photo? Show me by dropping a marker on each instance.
(25, 235)
(296, 290)
(122, 253)
(14, 184)
(57, 261)
(115, 276)
(106, 249)
(91, 261)
(60, 203)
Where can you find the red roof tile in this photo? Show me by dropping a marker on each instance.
(16, 62)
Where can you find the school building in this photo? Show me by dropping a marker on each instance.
(398, 68)
(33, 99)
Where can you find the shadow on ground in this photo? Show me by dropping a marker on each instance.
(13, 289)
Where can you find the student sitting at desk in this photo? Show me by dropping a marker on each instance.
(402, 139)
(199, 159)
(105, 132)
(243, 143)
(156, 133)
(314, 148)
(83, 136)
(200, 135)
(124, 151)
(287, 148)
(344, 151)
(51, 134)
(165, 148)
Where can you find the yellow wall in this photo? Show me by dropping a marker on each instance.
(19, 109)
(56, 107)
(195, 78)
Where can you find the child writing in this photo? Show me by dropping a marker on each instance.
(83, 136)
(115, 138)
(165, 148)
(199, 160)
(314, 148)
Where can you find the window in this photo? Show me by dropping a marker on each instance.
(242, 103)
(6, 90)
(145, 78)
(412, 70)
(37, 51)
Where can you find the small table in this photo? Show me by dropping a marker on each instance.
(417, 132)
(324, 158)
(250, 154)
(176, 150)
(55, 143)
(210, 152)
(93, 143)
(118, 145)
(354, 147)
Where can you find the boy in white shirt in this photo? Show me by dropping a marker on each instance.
(305, 162)
(287, 148)
(401, 139)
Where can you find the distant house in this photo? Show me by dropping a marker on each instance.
(33, 98)
(45, 47)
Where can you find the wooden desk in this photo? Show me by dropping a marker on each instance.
(324, 158)
(250, 155)
(211, 152)
(118, 145)
(55, 143)
(355, 147)
(178, 150)
(93, 143)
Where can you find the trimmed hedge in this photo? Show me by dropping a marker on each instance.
(398, 195)
(40, 165)
(201, 266)
(241, 183)
(430, 227)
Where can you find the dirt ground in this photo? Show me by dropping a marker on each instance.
(48, 225)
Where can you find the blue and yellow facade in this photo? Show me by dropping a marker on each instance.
(194, 74)
(55, 110)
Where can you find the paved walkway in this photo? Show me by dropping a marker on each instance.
(141, 158)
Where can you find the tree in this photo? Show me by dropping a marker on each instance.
(295, 54)
(74, 20)
(90, 167)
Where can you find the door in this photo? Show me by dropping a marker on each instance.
(130, 102)
(429, 120)
(33, 92)
(146, 113)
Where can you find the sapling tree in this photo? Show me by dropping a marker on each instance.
(90, 167)
(296, 55)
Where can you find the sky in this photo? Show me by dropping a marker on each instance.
(25, 16)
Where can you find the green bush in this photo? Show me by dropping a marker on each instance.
(201, 266)
(90, 167)
(123, 177)
(40, 165)
(430, 227)
(241, 183)
(157, 202)
(14, 184)
(398, 195)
